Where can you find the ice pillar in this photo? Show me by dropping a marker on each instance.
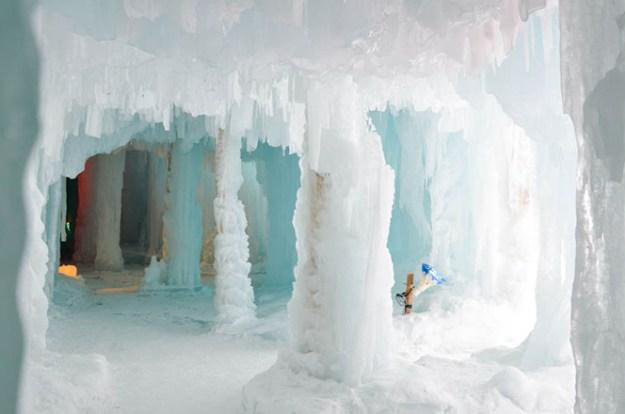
(593, 75)
(18, 131)
(109, 180)
(183, 220)
(157, 188)
(340, 312)
(234, 297)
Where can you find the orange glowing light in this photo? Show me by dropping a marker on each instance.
(69, 271)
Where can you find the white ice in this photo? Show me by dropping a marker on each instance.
(430, 130)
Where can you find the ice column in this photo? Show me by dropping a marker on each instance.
(18, 132)
(234, 297)
(157, 188)
(340, 312)
(183, 220)
(593, 75)
(109, 180)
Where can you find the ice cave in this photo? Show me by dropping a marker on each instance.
(312, 206)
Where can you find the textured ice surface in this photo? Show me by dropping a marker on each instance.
(375, 100)
(594, 96)
(234, 297)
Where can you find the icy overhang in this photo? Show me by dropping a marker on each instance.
(253, 66)
(386, 37)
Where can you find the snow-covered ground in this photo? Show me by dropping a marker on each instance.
(164, 356)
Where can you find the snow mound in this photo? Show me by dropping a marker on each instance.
(69, 384)
(427, 386)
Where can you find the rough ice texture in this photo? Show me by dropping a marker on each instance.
(234, 297)
(112, 74)
(593, 73)
(18, 131)
(340, 313)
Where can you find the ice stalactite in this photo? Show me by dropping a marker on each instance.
(593, 75)
(234, 297)
(183, 220)
(109, 180)
(340, 312)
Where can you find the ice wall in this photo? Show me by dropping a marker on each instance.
(18, 130)
(594, 95)
(534, 102)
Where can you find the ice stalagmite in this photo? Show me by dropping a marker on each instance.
(234, 297)
(340, 312)
(183, 220)
(109, 182)
(593, 75)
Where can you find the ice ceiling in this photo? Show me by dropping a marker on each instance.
(385, 132)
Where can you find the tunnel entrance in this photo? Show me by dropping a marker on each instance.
(112, 215)
(117, 210)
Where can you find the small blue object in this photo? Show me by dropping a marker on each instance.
(429, 270)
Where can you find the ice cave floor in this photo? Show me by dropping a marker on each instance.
(164, 356)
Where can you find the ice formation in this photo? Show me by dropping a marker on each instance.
(234, 297)
(593, 93)
(320, 150)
